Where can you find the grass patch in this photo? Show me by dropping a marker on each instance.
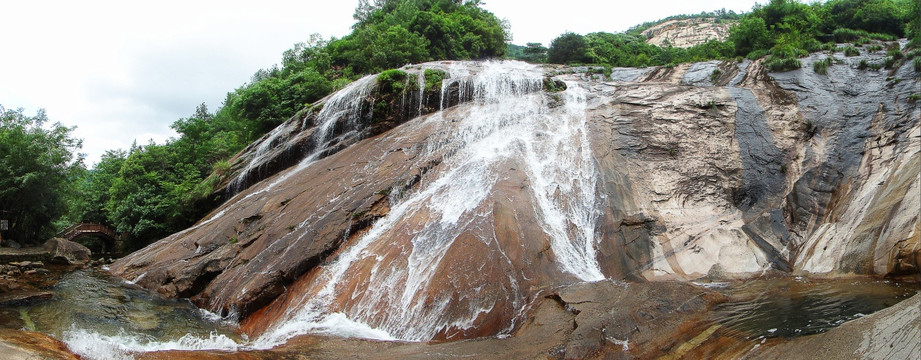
(821, 67)
(917, 64)
(851, 51)
(779, 64)
(715, 75)
(894, 53)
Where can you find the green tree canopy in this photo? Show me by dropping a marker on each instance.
(37, 164)
(567, 48)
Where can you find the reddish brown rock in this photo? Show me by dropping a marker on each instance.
(27, 345)
(690, 180)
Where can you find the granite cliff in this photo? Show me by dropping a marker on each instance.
(416, 209)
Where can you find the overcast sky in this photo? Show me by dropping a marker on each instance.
(122, 71)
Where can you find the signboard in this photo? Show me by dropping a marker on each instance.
(4, 224)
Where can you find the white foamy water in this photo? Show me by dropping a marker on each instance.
(95, 346)
(510, 119)
(342, 108)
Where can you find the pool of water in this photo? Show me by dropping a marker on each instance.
(791, 307)
(100, 316)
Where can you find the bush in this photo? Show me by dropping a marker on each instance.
(845, 35)
(863, 65)
(433, 79)
(874, 48)
(917, 64)
(567, 48)
(779, 64)
(821, 67)
(715, 75)
(851, 51)
(890, 62)
(391, 81)
(757, 54)
(894, 53)
(914, 97)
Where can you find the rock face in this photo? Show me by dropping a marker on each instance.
(688, 32)
(27, 345)
(67, 252)
(450, 215)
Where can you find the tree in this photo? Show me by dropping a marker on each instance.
(750, 34)
(37, 166)
(535, 52)
(567, 48)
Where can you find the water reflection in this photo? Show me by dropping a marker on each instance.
(790, 307)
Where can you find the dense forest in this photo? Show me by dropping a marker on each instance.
(152, 190)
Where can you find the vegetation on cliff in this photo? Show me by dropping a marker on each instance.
(153, 190)
(785, 29)
(149, 191)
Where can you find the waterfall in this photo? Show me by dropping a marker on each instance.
(509, 118)
(342, 109)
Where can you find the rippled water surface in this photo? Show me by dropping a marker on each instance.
(100, 316)
(790, 307)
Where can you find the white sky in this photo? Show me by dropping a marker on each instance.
(122, 71)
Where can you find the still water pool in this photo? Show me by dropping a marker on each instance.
(790, 307)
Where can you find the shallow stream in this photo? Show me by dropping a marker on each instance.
(102, 317)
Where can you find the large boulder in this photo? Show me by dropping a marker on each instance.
(16, 344)
(64, 251)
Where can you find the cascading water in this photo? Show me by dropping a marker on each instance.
(381, 288)
(342, 108)
(510, 119)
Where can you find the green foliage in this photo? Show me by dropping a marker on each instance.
(914, 97)
(567, 48)
(154, 190)
(531, 52)
(874, 48)
(894, 53)
(38, 169)
(821, 67)
(917, 64)
(750, 34)
(851, 51)
(790, 23)
(628, 50)
(715, 75)
(392, 33)
(391, 81)
(776, 63)
(433, 79)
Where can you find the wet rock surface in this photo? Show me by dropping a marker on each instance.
(591, 320)
(27, 345)
(726, 176)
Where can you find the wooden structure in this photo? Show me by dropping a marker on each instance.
(108, 236)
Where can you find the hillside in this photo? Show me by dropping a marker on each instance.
(688, 32)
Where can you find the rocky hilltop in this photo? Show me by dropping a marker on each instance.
(442, 201)
(687, 32)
